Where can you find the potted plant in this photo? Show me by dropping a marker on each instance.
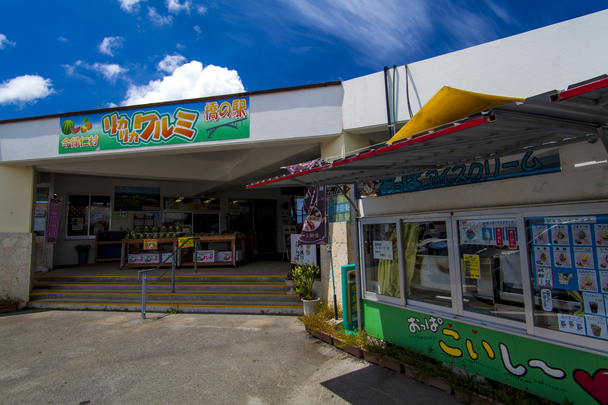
(304, 276)
(9, 304)
(290, 282)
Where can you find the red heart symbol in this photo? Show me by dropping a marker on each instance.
(474, 332)
(597, 386)
(450, 325)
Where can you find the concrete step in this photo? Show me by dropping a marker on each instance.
(163, 286)
(197, 278)
(162, 295)
(215, 307)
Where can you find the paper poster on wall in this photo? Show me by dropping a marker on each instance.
(302, 254)
(571, 324)
(472, 267)
(383, 250)
(501, 232)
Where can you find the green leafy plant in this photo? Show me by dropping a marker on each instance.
(174, 311)
(304, 275)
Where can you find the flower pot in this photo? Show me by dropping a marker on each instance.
(310, 305)
(355, 351)
(321, 335)
(410, 371)
(437, 383)
(382, 361)
(291, 284)
(9, 308)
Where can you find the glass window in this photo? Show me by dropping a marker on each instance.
(427, 264)
(87, 215)
(490, 268)
(569, 261)
(380, 251)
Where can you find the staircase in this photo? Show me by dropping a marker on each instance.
(235, 294)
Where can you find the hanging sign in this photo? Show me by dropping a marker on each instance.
(52, 224)
(150, 244)
(186, 242)
(528, 164)
(203, 121)
(314, 230)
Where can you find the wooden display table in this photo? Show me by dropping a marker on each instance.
(237, 242)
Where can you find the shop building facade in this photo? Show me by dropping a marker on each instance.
(484, 301)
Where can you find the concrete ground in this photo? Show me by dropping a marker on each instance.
(87, 357)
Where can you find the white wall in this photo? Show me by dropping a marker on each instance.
(299, 114)
(523, 65)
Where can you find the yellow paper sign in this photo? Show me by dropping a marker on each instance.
(150, 244)
(189, 242)
(471, 266)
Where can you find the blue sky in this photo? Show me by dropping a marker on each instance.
(63, 56)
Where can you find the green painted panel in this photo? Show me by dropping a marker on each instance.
(548, 370)
(205, 121)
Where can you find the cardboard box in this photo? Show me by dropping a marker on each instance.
(136, 259)
(225, 256)
(165, 255)
(144, 258)
(206, 256)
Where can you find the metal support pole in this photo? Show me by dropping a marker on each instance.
(357, 262)
(196, 248)
(143, 296)
(173, 265)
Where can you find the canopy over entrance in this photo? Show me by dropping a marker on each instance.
(544, 121)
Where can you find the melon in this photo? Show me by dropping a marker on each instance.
(75, 130)
(66, 127)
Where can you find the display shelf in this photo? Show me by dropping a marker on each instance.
(243, 243)
(107, 250)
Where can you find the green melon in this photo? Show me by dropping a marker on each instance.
(67, 126)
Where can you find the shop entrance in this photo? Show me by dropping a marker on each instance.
(257, 217)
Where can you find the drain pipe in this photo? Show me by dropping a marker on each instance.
(391, 131)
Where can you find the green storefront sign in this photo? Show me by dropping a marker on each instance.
(554, 372)
(205, 121)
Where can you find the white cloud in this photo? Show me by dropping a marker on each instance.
(110, 44)
(109, 71)
(202, 10)
(190, 80)
(158, 19)
(198, 29)
(130, 6)
(24, 90)
(174, 6)
(171, 62)
(62, 39)
(375, 29)
(4, 41)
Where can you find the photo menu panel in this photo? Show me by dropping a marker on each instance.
(571, 253)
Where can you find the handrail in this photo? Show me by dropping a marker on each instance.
(173, 257)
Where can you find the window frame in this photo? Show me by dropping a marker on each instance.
(521, 215)
(88, 222)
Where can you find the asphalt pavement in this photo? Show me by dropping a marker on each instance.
(89, 357)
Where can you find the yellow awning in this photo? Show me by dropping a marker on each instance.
(449, 105)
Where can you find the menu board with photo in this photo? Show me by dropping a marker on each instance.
(571, 253)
